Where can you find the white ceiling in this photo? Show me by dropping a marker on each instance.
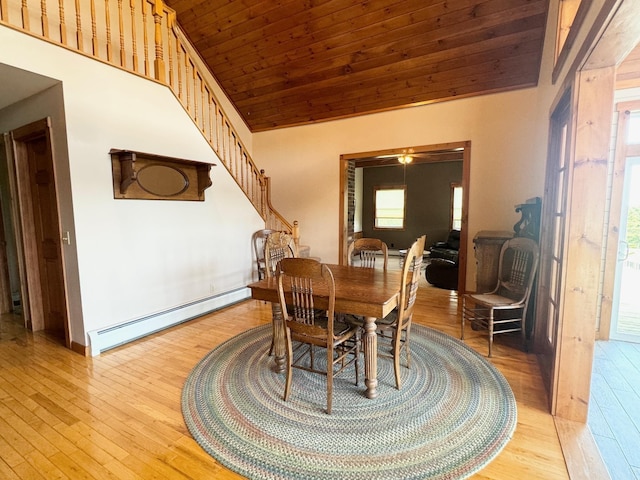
(16, 84)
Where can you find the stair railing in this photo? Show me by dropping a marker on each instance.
(143, 37)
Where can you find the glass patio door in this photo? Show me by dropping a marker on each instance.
(625, 318)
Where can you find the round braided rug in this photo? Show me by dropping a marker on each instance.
(454, 414)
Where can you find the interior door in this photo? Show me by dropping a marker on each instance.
(41, 230)
(552, 243)
(625, 312)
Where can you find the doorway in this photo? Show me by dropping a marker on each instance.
(36, 223)
(454, 151)
(625, 314)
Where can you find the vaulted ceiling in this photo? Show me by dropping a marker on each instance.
(292, 62)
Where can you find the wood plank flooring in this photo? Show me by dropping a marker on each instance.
(614, 407)
(117, 416)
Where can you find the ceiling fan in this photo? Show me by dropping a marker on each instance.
(407, 156)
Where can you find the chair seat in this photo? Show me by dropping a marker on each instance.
(493, 299)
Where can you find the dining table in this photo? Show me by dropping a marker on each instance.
(368, 292)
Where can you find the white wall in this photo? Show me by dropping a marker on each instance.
(135, 257)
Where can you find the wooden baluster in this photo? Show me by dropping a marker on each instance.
(194, 76)
(216, 131)
(221, 152)
(79, 39)
(263, 193)
(123, 62)
(108, 23)
(63, 24)
(202, 103)
(25, 15)
(296, 235)
(44, 19)
(179, 68)
(186, 80)
(171, 64)
(158, 63)
(94, 29)
(134, 40)
(4, 11)
(233, 167)
(145, 39)
(211, 118)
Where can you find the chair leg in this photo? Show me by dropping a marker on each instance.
(490, 331)
(329, 379)
(464, 312)
(397, 342)
(357, 362)
(407, 346)
(287, 386)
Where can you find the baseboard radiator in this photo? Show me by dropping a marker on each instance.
(114, 336)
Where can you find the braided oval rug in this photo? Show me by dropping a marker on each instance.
(454, 414)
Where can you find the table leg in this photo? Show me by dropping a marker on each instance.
(278, 337)
(370, 342)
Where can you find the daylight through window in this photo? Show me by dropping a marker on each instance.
(456, 206)
(389, 207)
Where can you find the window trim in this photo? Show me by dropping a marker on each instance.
(404, 207)
(453, 187)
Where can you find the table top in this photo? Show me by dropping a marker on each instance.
(369, 292)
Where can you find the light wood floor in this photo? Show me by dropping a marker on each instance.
(118, 415)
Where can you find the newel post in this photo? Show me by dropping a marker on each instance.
(158, 63)
(296, 234)
(263, 193)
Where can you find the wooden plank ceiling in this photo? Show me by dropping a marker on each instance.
(293, 62)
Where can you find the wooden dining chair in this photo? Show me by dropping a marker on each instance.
(367, 250)
(397, 325)
(278, 245)
(259, 240)
(504, 309)
(310, 327)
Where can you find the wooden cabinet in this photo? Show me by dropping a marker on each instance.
(487, 246)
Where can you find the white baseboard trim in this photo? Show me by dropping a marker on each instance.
(104, 339)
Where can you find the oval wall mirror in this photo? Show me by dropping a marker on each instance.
(162, 180)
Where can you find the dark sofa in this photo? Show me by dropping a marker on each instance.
(442, 270)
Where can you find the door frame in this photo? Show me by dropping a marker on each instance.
(24, 226)
(553, 240)
(615, 209)
(466, 171)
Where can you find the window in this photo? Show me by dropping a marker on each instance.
(456, 206)
(389, 203)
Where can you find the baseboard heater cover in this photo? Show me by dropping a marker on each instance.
(111, 337)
